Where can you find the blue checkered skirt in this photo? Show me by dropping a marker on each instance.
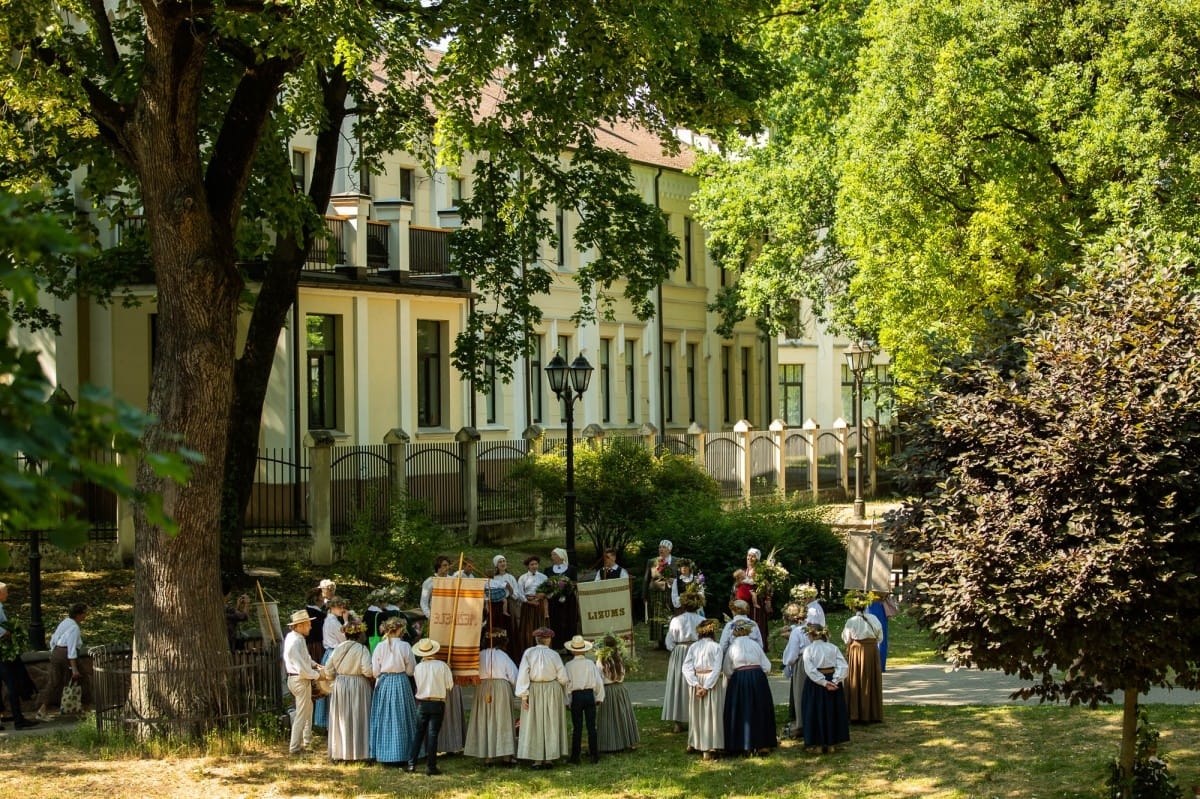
(393, 718)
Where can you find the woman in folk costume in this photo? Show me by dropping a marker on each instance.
(331, 636)
(826, 721)
(563, 610)
(760, 597)
(749, 706)
(541, 680)
(681, 634)
(793, 666)
(656, 588)
(350, 700)
(615, 720)
(491, 731)
(393, 708)
(706, 709)
(441, 568)
(500, 592)
(533, 606)
(864, 683)
(685, 582)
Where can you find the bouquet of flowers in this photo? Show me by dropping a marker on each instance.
(15, 643)
(858, 600)
(803, 593)
(557, 586)
(769, 575)
(663, 571)
(696, 587)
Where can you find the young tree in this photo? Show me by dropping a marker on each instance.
(167, 104)
(1054, 535)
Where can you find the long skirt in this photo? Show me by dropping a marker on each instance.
(499, 619)
(321, 706)
(678, 693)
(453, 736)
(533, 615)
(658, 608)
(393, 718)
(490, 733)
(544, 725)
(876, 609)
(564, 619)
(749, 712)
(616, 724)
(759, 616)
(826, 721)
(796, 698)
(706, 732)
(864, 682)
(350, 718)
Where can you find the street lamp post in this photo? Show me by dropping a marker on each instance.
(858, 357)
(62, 402)
(568, 384)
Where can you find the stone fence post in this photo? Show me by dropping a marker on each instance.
(468, 450)
(320, 493)
(743, 428)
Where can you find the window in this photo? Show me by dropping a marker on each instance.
(630, 380)
(322, 371)
(726, 357)
(535, 380)
(668, 378)
(493, 389)
(791, 393)
(746, 383)
(406, 184)
(560, 235)
(687, 248)
(691, 381)
(606, 380)
(429, 372)
(456, 191)
(795, 324)
(299, 169)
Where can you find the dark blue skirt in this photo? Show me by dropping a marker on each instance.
(749, 712)
(826, 715)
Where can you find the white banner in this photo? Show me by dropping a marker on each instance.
(868, 562)
(605, 606)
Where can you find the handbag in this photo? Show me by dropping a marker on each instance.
(323, 685)
(72, 698)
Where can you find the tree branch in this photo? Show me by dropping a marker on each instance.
(103, 28)
(110, 115)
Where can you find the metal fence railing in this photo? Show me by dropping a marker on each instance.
(360, 490)
(279, 497)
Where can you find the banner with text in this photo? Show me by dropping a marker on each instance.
(456, 624)
(605, 606)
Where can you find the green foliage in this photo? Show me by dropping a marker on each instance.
(1057, 500)
(620, 488)
(404, 552)
(717, 541)
(935, 163)
(1150, 778)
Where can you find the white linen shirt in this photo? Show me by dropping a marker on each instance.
(582, 675)
(495, 664)
(393, 656)
(296, 660)
(824, 655)
(434, 680)
(331, 633)
(745, 651)
(702, 666)
(539, 664)
(862, 625)
(683, 629)
(527, 584)
(797, 641)
(727, 633)
(68, 634)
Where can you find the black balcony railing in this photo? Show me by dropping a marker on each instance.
(429, 251)
(329, 251)
(378, 256)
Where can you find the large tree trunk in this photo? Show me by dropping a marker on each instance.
(1129, 724)
(275, 298)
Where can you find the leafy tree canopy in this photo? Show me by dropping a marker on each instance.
(951, 159)
(1055, 532)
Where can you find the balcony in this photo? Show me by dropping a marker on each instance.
(378, 255)
(429, 251)
(328, 252)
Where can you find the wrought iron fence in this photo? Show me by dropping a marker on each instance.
(764, 460)
(722, 458)
(378, 248)
(329, 250)
(361, 487)
(279, 497)
(429, 251)
(500, 496)
(435, 480)
(124, 689)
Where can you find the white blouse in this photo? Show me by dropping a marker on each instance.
(702, 666)
(352, 659)
(539, 664)
(495, 664)
(331, 633)
(393, 656)
(683, 629)
(824, 655)
(745, 651)
(527, 585)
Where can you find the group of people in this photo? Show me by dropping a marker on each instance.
(65, 667)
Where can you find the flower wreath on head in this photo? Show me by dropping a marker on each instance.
(804, 592)
(857, 599)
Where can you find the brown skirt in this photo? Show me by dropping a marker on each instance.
(864, 682)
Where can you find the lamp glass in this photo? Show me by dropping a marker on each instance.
(581, 374)
(556, 373)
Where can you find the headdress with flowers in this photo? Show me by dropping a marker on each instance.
(859, 600)
(804, 592)
(613, 656)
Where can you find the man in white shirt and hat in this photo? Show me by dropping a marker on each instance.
(301, 671)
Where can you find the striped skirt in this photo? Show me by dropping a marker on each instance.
(616, 725)
(321, 706)
(544, 725)
(491, 733)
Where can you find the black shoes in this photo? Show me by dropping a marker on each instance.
(410, 767)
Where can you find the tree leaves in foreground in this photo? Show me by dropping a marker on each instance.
(1054, 535)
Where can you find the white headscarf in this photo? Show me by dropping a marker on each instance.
(755, 552)
(496, 560)
(667, 544)
(562, 553)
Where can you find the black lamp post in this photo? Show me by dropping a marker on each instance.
(858, 357)
(568, 384)
(60, 402)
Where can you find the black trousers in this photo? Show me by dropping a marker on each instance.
(430, 713)
(9, 674)
(583, 711)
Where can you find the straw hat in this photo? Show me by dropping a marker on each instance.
(299, 617)
(426, 647)
(578, 645)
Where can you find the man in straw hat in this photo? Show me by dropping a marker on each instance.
(541, 680)
(301, 671)
(585, 690)
(434, 681)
